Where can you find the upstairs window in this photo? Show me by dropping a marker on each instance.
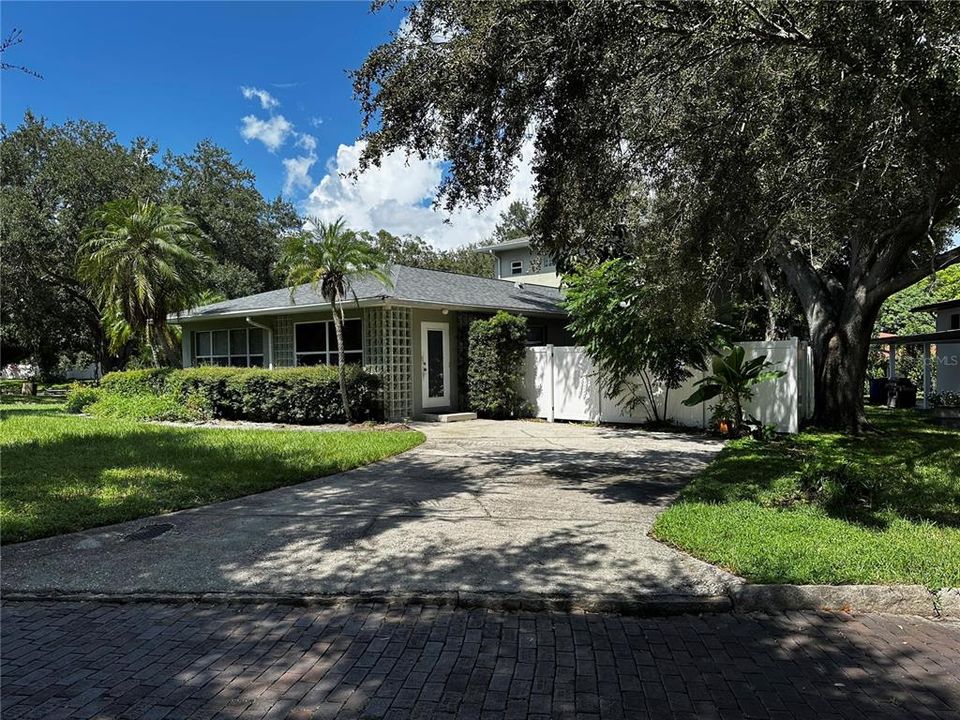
(315, 343)
(516, 267)
(955, 321)
(239, 347)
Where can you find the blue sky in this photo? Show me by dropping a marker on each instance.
(267, 81)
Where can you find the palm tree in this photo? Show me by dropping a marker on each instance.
(328, 257)
(144, 260)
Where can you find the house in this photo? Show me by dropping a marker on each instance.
(516, 260)
(411, 332)
(945, 340)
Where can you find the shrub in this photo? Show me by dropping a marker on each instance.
(495, 366)
(293, 395)
(142, 406)
(945, 399)
(136, 382)
(80, 397)
(843, 489)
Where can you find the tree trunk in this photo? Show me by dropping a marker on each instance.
(841, 344)
(341, 369)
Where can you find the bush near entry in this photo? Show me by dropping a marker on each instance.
(495, 366)
(305, 396)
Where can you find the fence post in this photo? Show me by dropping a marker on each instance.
(551, 383)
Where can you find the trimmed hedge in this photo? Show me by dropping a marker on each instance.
(495, 366)
(305, 396)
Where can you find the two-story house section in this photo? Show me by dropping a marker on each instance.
(516, 260)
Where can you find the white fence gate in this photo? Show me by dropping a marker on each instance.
(561, 384)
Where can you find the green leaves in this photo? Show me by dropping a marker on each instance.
(641, 325)
(732, 380)
(495, 366)
(328, 256)
(142, 261)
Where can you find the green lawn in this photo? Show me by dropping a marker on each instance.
(62, 473)
(749, 512)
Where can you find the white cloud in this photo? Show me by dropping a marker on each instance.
(316, 121)
(397, 197)
(297, 173)
(273, 132)
(307, 142)
(267, 101)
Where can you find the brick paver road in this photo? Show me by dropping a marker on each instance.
(83, 660)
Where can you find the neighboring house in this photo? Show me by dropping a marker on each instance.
(412, 333)
(946, 341)
(516, 260)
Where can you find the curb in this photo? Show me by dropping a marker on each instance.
(647, 606)
(889, 599)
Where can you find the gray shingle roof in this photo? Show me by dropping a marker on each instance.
(413, 286)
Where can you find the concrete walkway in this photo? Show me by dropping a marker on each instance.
(519, 507)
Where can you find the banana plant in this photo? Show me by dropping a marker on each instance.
(733, 379)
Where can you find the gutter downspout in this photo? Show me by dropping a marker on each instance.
(499, 273)
(269, 332)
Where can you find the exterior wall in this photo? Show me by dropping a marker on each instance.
(534, 275)
(388, 344)
(392, 348)
(948, 355)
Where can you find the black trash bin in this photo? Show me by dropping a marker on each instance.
(878, 390)
(902, 394)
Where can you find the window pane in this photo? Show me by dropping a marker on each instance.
(256, 341)
(203, 343)
(221, 339)
(516, 267)
(238, 360)
(256, 361)
(352, 358)
(238, 342)
(221, 361)
(352, 335)
(316, 359)
(311, 337)
(536, 335)
(435, 363)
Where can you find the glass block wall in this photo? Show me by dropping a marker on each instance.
(283, 342)
(389, 353)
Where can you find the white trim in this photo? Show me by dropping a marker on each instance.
(328, 352)
(269, 347)
(427, 401)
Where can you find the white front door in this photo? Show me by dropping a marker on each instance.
(435, 364)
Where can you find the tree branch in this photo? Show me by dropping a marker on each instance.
(915, 275)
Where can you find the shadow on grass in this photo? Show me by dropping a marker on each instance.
(910, 470)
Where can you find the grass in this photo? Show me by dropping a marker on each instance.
(63, 473)
(751, 512)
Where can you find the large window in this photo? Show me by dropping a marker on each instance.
(516, 267)
(240, 347)
(315, 343)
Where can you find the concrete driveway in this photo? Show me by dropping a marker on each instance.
(519, 507)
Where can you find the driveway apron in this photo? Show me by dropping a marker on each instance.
(481, 506)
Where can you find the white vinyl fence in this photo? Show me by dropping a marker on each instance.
(561, 384)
